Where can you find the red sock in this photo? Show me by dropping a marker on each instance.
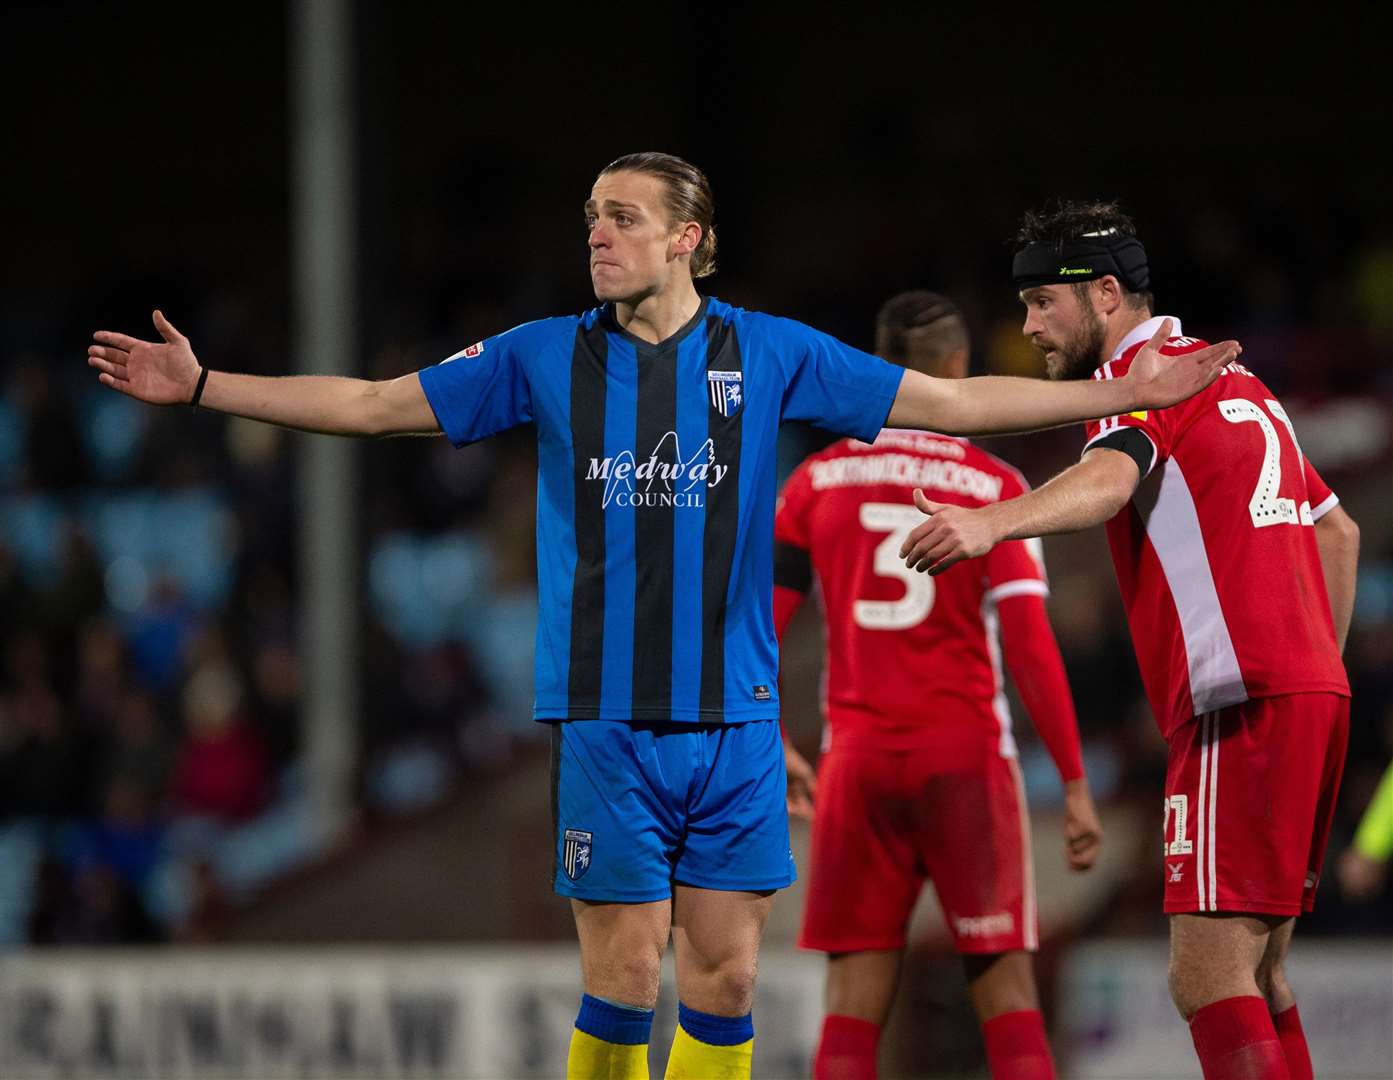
(1016, 1046)
(1235, 1040)
(846, 1050)
(1287, 1024)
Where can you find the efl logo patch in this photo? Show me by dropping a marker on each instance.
(727, 391)
(467, 354)
(575, 853)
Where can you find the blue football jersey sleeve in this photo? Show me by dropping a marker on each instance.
(483, 389)
(835, 386)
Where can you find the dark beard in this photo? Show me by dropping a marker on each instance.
(1081, 356)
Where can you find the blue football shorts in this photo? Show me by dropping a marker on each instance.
(638, 808)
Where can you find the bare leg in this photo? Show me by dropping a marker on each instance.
(1272, 972)
(1214, 957)
(1002, 989)
(1215, 960)
(862, 984)
(1001, 983)
(715, 937)
(621, 949)
(1281, 1002)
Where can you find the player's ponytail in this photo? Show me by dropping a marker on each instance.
(704, 257)
(688, 198)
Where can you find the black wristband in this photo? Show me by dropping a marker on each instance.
(198, 390)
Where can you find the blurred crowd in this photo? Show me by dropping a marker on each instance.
(150, 770)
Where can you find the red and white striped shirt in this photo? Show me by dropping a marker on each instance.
(1215, 554)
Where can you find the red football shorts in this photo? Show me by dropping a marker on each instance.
(886, 821)
(1250, 794)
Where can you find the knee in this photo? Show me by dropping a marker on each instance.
(630, 978)
(1185, 989)
(725, 989)
(734, 985)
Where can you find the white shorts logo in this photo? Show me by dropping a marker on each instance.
(983, 926)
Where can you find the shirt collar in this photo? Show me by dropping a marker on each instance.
(1145, 330)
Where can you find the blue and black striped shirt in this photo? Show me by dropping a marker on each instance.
(656, 491)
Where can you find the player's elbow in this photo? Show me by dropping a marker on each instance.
(1118, 498)
(1117, 484)
(371, 413)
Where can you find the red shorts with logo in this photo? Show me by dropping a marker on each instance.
(1250, 794)
(887, 821)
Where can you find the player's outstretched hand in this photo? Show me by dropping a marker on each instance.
(160, 372)
(1163, 382)
(802, 783)
(1083, 832)
(952, 534)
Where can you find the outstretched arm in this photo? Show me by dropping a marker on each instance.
(993, 404)
(167, 373)
(1083, 495)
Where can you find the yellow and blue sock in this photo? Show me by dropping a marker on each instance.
(708, 1047)
(610, 1041)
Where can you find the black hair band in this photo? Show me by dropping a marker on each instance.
(1083, 259)
(198, 390)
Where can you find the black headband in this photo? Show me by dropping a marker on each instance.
(1088, 257)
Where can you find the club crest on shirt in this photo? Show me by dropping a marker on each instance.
(575, 853)
(727, 391)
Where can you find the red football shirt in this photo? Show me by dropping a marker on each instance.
(1215, 554)
(936, 681)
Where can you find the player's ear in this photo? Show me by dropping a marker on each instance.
(687, 239)
(1108, 290)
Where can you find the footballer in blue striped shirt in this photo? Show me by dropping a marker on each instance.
(657, 664)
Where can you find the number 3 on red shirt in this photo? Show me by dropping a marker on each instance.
(897, 519)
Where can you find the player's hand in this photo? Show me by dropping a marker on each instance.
(1160, 382)
(1083, 832)
(160, 372)
(952, 534)
(802, 783)
(1361, 878)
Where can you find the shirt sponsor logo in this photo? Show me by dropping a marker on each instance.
(906, 471)
(727, 391)
(983, 926)
(575, 853)
(662, 478)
